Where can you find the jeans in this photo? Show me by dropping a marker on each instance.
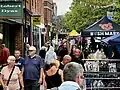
(31, 85)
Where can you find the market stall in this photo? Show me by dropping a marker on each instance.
(102, 28)
(102, 74)
(112, 40)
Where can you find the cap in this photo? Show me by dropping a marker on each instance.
(32, 48)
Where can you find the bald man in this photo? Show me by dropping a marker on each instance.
(66, 59)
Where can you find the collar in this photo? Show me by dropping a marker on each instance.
(72, 83)
(32, 56)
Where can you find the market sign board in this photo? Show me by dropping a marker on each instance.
(10, 9)
(107, 33)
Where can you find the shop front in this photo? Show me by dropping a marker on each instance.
(11, 24)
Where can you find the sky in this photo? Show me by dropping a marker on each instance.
(62, 6)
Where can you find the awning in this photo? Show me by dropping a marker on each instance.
(112, 39)
(11, 21)
(73, 33)
(102, 28)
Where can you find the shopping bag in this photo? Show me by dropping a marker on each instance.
(42, 87)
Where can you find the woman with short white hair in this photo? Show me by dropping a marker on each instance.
(11, 83)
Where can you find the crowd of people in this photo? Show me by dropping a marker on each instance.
(51, 68)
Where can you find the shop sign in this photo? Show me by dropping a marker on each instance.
(101, 33)
(36, 20)
(11, 9)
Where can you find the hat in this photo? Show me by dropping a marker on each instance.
(32, 48)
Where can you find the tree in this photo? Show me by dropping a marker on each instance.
(85, 12)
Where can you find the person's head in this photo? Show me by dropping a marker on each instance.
(17, 53)
(66, 59)
(77, 53)
(51, 48)
(27, 46)
(53, 65)
(73, 72)
(65, 45)
(45, 45)
(2, 46)
(11, 60)
(56, 63)
(31, 51)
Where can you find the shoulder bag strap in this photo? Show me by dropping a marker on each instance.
(10, 75)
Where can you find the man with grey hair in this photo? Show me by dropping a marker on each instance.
(73, 77)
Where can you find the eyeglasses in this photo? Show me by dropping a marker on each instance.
(82, 77)
(30, 50)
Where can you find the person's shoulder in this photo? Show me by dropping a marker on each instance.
(37, 56)
(16, 67)
(22, 58)
(4, 67)
(6, 49)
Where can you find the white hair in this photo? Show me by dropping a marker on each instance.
(67, 56)
(11, 58)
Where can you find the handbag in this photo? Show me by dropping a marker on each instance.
(7, 88)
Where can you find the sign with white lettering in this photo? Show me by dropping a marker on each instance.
(11, 9)
(100, 33)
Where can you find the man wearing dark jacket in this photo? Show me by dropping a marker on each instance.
(4, 54)
(78, 58)
(62, 51)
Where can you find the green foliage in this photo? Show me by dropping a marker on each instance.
(84, 12)
(117, 12)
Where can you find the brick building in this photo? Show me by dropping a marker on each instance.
(48, 11)
(37, 8)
